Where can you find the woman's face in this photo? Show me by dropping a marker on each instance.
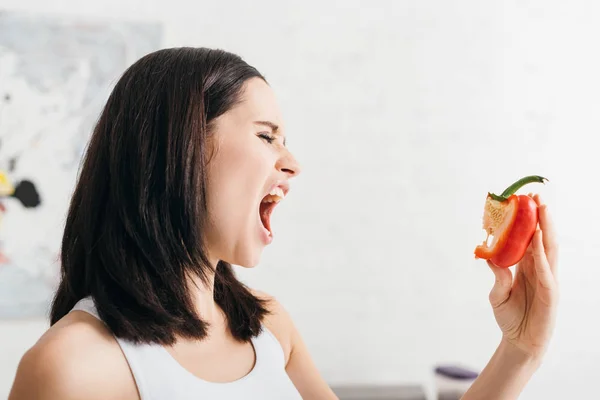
(250, 161)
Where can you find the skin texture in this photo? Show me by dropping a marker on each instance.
(78, 358)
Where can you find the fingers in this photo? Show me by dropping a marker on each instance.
(548, 233)
(526, 266)
(542, 266)
(500, 292)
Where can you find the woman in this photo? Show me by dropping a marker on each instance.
(183, 170)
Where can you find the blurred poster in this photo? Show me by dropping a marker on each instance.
(55, 75)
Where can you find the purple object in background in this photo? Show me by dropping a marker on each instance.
(456, 372)
(453, 381)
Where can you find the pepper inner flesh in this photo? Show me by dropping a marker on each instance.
(496, 219)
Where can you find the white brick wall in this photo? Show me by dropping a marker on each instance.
(430, 104)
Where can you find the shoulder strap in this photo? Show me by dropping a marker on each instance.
(86, 304)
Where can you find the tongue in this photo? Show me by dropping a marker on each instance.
(265, 211)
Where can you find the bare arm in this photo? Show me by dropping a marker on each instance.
(303, 372)
(505, 376)
(299, 365)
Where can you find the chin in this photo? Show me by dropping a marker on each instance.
(248, 260)
(248, 265)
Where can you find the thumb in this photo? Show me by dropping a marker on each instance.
(500, 292)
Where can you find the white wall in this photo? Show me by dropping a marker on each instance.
(430, 104)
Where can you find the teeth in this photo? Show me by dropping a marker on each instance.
(272, 199)
(277, 191)
(274, 196)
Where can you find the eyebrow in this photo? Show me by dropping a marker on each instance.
(274, 127)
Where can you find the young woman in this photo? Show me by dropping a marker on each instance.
(183, 170)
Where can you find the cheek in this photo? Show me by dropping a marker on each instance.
(242, 166)
(236, 179)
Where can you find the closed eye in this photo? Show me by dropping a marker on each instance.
(267, 137)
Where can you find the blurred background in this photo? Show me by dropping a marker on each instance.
(404, 114)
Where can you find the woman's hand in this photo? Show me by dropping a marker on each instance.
(525, 308)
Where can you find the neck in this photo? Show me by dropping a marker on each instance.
(204, 300)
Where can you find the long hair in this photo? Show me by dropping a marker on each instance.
(133, 233)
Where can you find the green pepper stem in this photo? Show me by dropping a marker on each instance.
(497, 198)
(512, 189)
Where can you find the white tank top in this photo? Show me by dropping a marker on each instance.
(159, 376)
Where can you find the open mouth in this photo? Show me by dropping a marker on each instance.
(267, 205)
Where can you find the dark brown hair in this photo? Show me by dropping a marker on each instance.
(133, 233)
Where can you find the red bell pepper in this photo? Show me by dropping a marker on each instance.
(511, 221)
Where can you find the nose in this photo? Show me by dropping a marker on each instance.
(288, 164)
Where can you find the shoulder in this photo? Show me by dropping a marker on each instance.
(279, 322)
(76, 358)
(299, 364)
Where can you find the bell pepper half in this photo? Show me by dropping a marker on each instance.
(510, 220)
